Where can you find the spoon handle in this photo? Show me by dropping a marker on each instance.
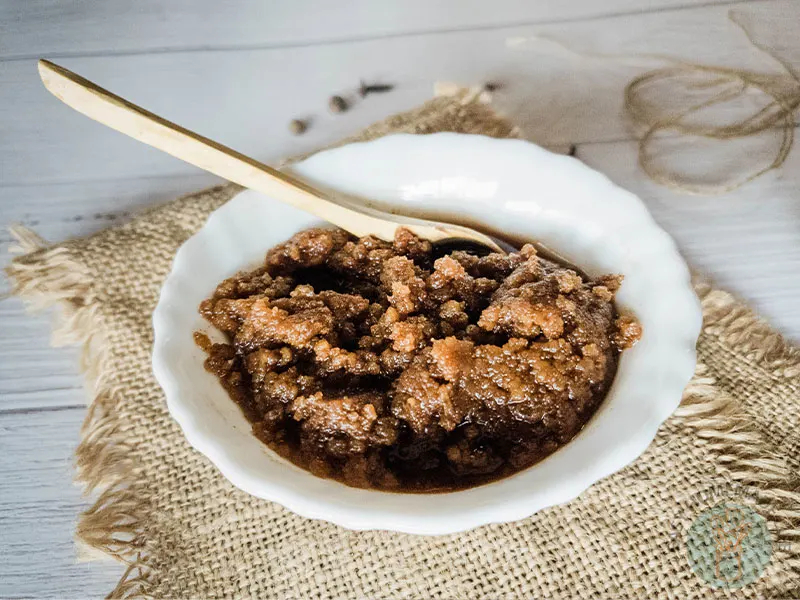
(140, 124)
(132, 120)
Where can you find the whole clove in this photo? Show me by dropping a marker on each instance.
(337, 104)
(297, 126)
(375, 88)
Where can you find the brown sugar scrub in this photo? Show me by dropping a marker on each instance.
(384, 366)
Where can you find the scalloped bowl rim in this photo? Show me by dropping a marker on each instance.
(464, 173)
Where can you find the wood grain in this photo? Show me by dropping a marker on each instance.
(245, 99)
(36, 28)
(38, 508)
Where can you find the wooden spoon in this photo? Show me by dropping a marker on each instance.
(117, 113)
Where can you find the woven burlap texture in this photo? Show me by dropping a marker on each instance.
(186, 532)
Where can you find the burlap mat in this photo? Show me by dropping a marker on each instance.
(185, 531)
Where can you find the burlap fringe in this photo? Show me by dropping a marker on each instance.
(744, 456)
(45, 277)
(49, 276)
(736, 325)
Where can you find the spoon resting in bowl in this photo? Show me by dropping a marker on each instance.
(140, 124)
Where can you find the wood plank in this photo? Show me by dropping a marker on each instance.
(38, 509)
(44, 27)
(245, 98)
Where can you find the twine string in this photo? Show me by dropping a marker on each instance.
(778, 113)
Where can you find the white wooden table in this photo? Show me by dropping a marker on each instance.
(238, 71)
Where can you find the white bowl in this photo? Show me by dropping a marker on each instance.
(511, 186)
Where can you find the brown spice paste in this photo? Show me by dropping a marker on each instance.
(382, 366)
